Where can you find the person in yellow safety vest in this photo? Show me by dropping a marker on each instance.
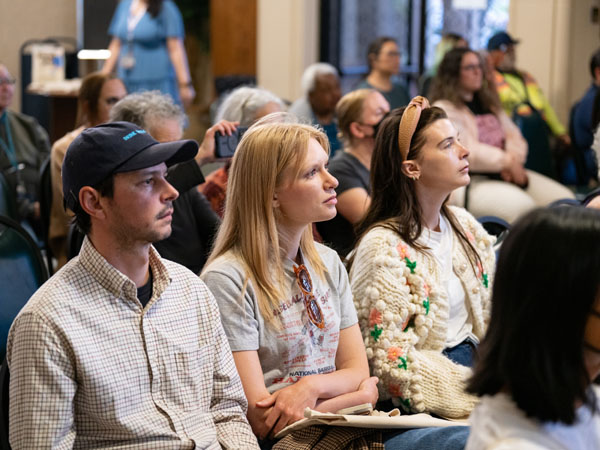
(516, 87)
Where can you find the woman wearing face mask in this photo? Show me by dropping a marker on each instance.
(359, 113)
(422, 270)
(542, 348)
(502, 187)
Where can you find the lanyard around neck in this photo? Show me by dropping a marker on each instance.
(8, 146)
(134, 19)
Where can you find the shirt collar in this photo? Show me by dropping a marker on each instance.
(117, 283)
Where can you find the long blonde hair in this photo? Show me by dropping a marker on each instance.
(249, 227)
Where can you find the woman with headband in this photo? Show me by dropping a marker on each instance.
(421, 273)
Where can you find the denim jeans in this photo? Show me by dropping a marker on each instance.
(462, 353)
(445, 438)
(448, 438)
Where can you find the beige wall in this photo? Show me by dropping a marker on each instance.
(557, 40)
(288, 42)
(21, 20)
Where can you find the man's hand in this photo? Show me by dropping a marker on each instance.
(206, 152)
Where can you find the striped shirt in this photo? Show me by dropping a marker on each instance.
(91, 368)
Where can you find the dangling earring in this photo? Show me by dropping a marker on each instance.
(415, 177)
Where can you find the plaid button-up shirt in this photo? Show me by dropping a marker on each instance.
(89, 368)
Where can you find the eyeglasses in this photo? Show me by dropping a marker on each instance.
(313, 309)
(472, 67)
(7, 81)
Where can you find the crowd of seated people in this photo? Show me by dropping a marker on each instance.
(207, 314)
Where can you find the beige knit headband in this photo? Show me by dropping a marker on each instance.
(408, 123)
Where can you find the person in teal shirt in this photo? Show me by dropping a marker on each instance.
(147, 49)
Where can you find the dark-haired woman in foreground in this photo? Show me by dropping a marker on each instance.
(422, 270)
(542, 348)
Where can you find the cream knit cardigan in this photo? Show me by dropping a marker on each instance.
(403, 314)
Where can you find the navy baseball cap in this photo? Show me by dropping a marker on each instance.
(501, 39)
(116, 147)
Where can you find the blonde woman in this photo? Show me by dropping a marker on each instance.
(285, 300)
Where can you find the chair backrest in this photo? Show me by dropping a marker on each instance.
(45, 197)
(22, 272)
(564, 202)
(74, 241)
(4, 382)
(8, 204)
(495, 226)
(537, 134)
(591, 196)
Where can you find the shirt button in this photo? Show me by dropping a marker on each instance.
(475, 290)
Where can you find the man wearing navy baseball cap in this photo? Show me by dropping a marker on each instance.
(121, 348)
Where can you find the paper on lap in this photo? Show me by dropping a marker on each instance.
(377, 419)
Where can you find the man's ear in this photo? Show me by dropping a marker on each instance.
(411, 169)
(89, 199)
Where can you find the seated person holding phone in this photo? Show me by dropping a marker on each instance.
(194, 222)
(244, 105)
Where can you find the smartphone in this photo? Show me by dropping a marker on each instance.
(225, 145)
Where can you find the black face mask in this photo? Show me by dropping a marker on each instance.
(378, 124)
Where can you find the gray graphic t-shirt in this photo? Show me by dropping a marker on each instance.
(298, 347)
